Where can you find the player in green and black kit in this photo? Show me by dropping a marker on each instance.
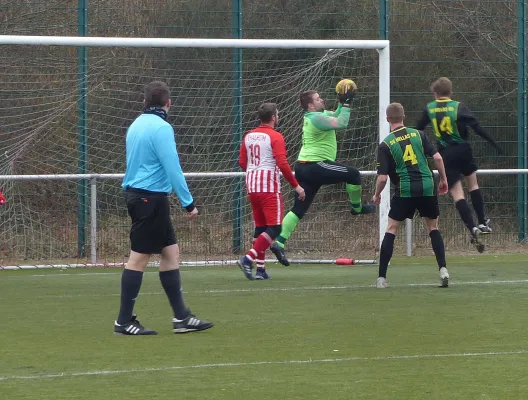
(316, 164)
(450, 120)
(402, 156)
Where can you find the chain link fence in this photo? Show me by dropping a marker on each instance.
(474, 43)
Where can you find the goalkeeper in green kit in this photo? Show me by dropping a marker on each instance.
(316, 165)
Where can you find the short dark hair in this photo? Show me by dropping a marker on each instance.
(395, 113)
(157, 94)
(442, 87)
(266, 111)
(306, 98)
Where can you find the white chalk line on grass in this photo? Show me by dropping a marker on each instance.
(296, 289)
(60, 273)
(308, 288)
(259, 363)
(185, 269)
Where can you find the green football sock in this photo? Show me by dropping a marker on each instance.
(289, 223)
(354, 195)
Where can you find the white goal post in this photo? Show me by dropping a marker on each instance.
(383, 68)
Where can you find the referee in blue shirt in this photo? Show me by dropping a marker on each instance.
(153, 172)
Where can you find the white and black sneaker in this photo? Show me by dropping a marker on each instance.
(484, 228)
(132, 328)
(381, 283)
(190, 324)
(444, 277)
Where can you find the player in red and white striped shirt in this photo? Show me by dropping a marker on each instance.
(263, 157)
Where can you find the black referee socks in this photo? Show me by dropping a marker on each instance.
(171, 282)
(130, 284)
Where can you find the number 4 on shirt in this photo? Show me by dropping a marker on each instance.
(408, 155)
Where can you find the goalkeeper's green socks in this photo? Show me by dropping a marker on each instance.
(289, 223)
(354, 195)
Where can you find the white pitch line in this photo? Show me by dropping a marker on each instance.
(67, 274)
(258, 363)
(296, 289)
(186, 269)
(80, 274)
(340, 287)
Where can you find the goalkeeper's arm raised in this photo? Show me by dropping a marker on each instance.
(328, 121)
(336, 112)
(325, 122)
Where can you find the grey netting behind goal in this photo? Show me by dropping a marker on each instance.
(212, 107)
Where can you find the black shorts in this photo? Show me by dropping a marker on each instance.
(458, 161)
(405, 207)
(151, 229)
(312, 175)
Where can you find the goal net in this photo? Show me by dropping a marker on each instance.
(66, 111)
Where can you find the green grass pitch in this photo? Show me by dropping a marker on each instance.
(312, 332)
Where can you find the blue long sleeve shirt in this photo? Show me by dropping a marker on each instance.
(152, 160)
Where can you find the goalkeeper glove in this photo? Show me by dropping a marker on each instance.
(346, 98)
(2, 199)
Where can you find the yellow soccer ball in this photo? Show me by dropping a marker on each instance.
(345, 86)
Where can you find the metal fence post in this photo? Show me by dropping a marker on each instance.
(93, 220)
(522, 121)
(238, 195)
(82, 121)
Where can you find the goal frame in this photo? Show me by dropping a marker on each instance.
(381, 46)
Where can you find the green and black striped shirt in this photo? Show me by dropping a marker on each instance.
(450, 120)
(403, 156)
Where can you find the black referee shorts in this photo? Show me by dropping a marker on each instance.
(151, 229)
(458, 162)
(405, 207)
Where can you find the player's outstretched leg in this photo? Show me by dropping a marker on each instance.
(277, 248)
(292, 219)
(357, 207)
(289, 223)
